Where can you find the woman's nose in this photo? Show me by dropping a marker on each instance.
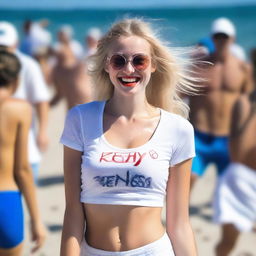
(129, 67)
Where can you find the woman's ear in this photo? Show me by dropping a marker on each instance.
(153, 67)
(106, 67)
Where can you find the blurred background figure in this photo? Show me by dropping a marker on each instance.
(36, 37)
(205, 46)
(238, 52)
(36, 43)
(69, 76)
(66, 42)
(225, 79)
(91, 41)
(31, 87)
(235, 197)
(16, 177)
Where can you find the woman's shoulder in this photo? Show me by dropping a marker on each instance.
(90, 106)
(86, 110)
(176, 120)
(178, 128)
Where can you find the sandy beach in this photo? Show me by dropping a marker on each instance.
(51, 200)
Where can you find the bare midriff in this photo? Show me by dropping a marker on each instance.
(122, 227)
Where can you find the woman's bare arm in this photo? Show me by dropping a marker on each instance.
(177, 210)
(74, 219)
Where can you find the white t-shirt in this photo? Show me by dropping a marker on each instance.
(32, 88)
(134, 176)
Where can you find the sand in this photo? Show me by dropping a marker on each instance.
(50, 194)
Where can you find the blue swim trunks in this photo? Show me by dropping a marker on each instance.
(11, 219)
(210, 149)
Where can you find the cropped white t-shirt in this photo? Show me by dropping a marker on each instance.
(134, 176)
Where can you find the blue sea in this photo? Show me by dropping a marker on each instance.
(181, 26)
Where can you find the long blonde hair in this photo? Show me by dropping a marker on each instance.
(173, 73)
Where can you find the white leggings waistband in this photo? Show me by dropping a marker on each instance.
(160, 247)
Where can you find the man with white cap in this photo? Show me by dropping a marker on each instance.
(224, 80)
(32, 88)
(91, 40)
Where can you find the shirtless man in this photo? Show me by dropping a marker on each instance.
(69, 77)
(235, 197)
(16, 177)
(225, 80)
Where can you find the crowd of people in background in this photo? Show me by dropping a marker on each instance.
(222, 112)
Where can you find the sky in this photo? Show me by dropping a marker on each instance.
(66, 4)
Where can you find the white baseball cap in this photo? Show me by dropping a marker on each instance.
(223, 26)
(8, 34)
(94, 33)
(67, 30)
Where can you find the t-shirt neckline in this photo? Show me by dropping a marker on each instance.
(151, 139)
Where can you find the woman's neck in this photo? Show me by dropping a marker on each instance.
(131, 107)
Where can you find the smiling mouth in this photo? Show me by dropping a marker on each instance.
(129, 81)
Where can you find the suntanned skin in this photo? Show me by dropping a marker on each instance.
(225, 78)
(15, 172)
(42, 111)
(70, 79)
(242, 150)
(129, 121)
(242, 144)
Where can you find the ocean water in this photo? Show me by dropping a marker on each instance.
(180, 26)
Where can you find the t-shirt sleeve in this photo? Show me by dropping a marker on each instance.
(72, 133)
(184, 147)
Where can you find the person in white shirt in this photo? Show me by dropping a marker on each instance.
(127, 152)
(32, 88)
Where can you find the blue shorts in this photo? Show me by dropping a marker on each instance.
(11, 219)
(210, 149)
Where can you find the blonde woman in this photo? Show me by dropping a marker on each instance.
(127, 152)
(16, 178)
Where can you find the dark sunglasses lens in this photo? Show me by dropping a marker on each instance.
(220, 36)
(140, 62)
(117, 61)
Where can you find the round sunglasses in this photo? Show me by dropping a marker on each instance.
(139, 61)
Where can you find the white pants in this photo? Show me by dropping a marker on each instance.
(235, 197)
(160, 247)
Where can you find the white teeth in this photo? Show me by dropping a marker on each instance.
(129, 80)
